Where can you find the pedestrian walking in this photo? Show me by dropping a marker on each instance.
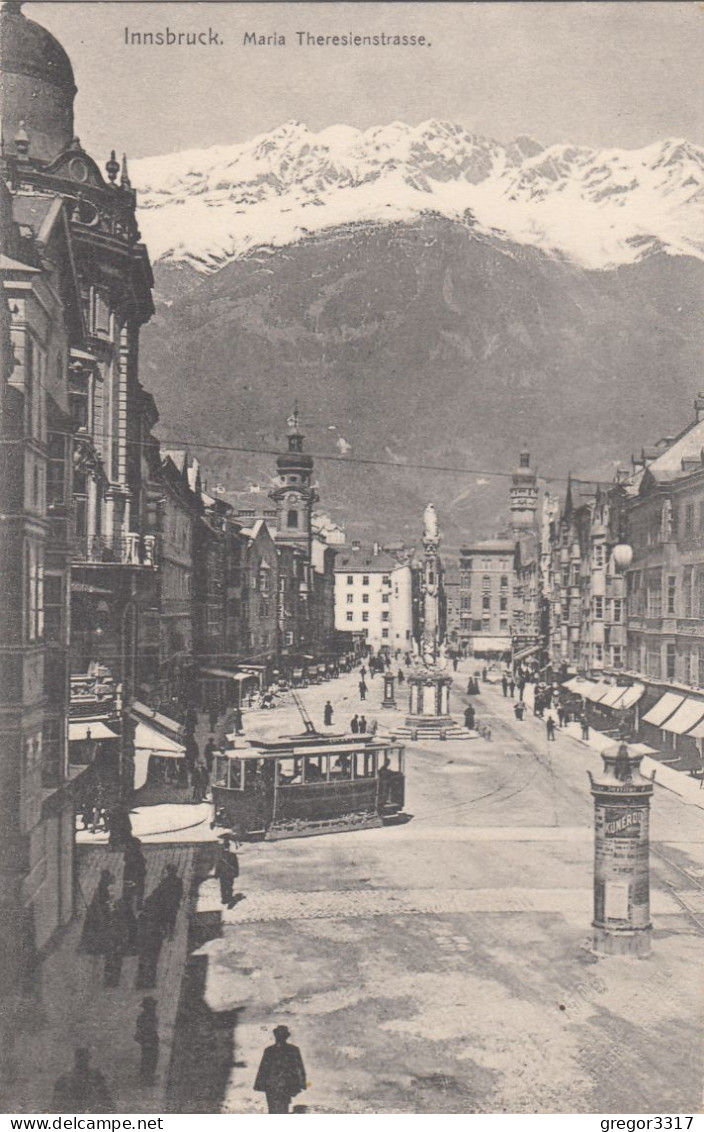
(82, 1090)
(327, 714)
(209, 753)
(281, 1075)
(550, 728)
(455, 662)
(227, 869)
(561, 715)
(585, 727)
(504, 685)
(150, 938)
(134, 873)
(121, 941)
(354, 724)
(362, 672)
(519, 710)
(167, 897)
(197, 783)
(97, 927)
(362, 690)
(511, 688)
(362, 725)
(400, 676)
(469, 717)
(213, 717)
(119, 825)
(147, 1036)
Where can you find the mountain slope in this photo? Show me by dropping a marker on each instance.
(599, 209)
(429, 342)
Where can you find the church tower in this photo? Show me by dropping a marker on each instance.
(295, 496)
(524, 496)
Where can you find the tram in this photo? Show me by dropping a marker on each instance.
(300, 785)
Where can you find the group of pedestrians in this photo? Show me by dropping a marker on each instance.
(127, 925)
(358, 724)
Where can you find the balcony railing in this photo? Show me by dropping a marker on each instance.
(131, 549)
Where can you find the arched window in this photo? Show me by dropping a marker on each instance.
(292, 520)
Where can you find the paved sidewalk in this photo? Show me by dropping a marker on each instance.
(80, 1010)
(167, 822)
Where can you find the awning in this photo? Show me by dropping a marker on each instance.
(688, 715)
(91, 729)
(146, 738)
(220, 673)
(140, 713)
(613, 696)
(591, 689)
(629, 696)
(528, 651)
(663, 709)
(148, 742)
(697, 732)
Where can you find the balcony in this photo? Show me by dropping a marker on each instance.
(131, 549)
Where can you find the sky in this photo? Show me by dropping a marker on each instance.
(596, 74)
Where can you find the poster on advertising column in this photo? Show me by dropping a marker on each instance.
(351, 440)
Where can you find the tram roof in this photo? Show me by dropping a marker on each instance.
(309, 750)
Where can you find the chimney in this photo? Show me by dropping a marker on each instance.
(356, 544)
(376, 549)
(698, 406)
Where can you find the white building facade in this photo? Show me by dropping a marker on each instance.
(373, 596)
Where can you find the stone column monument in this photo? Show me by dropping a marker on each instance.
(429, 683)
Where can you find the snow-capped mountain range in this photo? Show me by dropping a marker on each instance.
(597, 208)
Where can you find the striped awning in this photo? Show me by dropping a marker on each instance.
(629, 696)
(663, 709)
(688, 715)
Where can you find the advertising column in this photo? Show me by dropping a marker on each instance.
(621, 855)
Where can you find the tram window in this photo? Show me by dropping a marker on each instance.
(220, 776)
(289, 771)
(314, 769)
(368, 770)
(341, 767)
(253, 774)
(235, 774)
(391, 760)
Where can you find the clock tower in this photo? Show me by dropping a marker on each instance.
(295, 496)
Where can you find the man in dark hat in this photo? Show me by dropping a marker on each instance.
(83, 1089)
(227, 869)
(281, 1074)
(147, 1035)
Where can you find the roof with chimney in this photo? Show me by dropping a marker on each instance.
(365, 561)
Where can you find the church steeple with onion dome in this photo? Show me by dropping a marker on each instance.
(295, 496)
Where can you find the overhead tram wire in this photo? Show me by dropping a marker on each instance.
(340, 460)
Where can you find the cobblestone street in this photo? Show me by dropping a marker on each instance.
(460, 940)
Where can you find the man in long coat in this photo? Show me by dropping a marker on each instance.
(281, 1074)
(227, 869)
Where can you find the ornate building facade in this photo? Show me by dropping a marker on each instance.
(76, 422)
